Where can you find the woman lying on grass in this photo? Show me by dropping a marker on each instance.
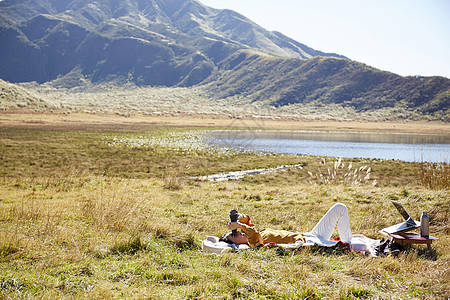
(337, 215)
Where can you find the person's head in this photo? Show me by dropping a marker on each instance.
(238, 238)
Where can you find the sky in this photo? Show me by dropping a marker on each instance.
(407, 37)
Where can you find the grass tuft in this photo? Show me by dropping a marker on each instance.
(173, 183)
(130, 247)
(358, 293)
(9, 245)
(13, 285)
(434, 175)
(186, 243)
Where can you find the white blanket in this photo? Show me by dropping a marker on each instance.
(359, 242)
(212, 245)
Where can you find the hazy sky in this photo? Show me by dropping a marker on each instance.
(407, 37)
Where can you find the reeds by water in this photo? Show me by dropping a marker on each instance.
(338, 173)
(434, 175)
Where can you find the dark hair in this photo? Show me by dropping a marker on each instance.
(224, 238)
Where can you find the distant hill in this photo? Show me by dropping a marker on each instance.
(185, 43)
(13, 97)
(324, 80)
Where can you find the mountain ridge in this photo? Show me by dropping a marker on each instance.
(41, 26)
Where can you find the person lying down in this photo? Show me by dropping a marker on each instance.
(336, 216)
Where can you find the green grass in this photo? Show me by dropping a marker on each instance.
(81, 218)
(58, 153)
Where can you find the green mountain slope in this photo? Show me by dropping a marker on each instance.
(323, 81)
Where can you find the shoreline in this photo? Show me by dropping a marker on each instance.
(112, 122)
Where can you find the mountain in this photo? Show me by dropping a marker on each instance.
(150, 42)
(185, 43)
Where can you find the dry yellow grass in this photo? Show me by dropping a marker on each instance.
(75, 230)
(113, 237)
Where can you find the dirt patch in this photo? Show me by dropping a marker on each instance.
(83, 121)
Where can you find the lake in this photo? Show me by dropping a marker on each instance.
(388, 146)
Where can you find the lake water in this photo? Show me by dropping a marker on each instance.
(405, 147)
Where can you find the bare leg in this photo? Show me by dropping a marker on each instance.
(337, 215)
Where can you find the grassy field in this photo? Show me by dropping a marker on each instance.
(95, 209)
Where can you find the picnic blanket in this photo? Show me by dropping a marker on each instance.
(359, 243)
